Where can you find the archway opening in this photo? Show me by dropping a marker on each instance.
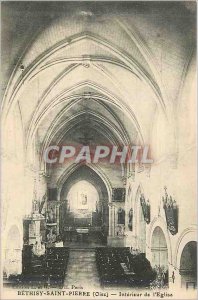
(83, 205)
(84, 212)
(12, 264)
(159, 252)
(188, 265)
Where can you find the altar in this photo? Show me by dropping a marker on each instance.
(73, 234)
(82, 234)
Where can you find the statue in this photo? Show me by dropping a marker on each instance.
(121, 216)
(35, 206)
(171, 212)
(145, 208)
(51, 216)
(51, 237)
(120, 230)
(38, 248)
(130, 224)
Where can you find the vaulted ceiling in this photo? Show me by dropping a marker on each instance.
(103, 68)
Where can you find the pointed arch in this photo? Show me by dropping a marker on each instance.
(74, 167)
(159, 221)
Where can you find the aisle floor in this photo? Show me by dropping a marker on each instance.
(81, 269)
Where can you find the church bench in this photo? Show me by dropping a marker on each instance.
(118, 265)
(48, 269)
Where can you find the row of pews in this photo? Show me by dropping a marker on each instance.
(48, 270)
(117, 266)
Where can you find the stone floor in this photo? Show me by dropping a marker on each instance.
(81, 270)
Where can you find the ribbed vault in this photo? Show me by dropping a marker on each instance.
(88, 68)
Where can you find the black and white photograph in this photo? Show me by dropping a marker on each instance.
(98, 150)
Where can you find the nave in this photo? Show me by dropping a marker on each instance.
(99, 76)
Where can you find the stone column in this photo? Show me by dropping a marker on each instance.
(110, 219)
(57, 218)
(114, 219)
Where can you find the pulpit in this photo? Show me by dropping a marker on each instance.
(32, 228)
